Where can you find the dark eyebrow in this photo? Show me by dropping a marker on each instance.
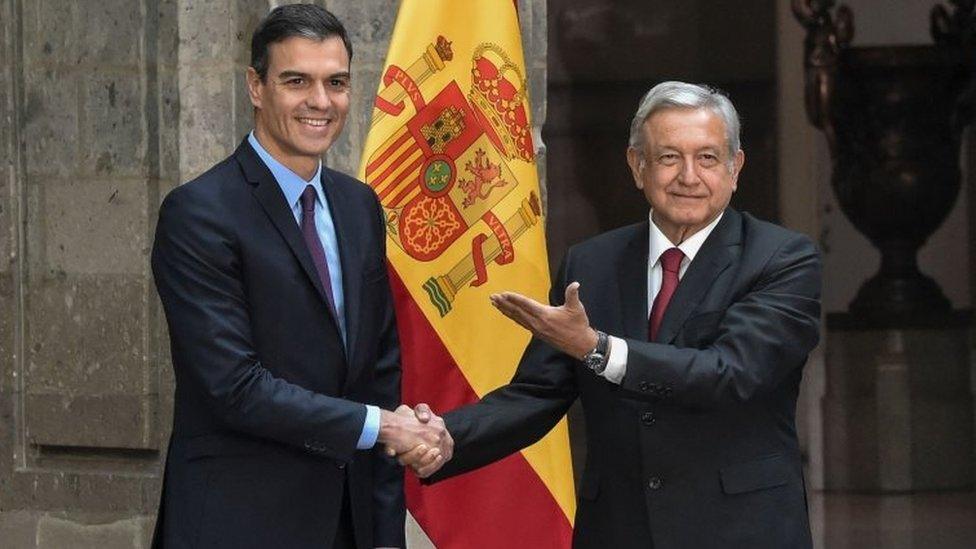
(284, 75)
(292, 74)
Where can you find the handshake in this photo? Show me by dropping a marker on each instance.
(417, 438)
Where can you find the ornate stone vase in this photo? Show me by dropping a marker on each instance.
(893, 118)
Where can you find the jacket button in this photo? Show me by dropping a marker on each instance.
(341, 466)
(647, 418)
(655, 483)
(644, 385)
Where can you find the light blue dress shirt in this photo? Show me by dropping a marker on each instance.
(292, 185)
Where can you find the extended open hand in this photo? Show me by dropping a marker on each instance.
(565, 327)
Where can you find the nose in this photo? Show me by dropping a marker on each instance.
(318, 97)
(688, 175)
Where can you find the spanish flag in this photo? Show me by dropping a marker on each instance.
(451, 156)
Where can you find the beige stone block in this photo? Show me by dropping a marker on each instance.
(18, 529)
(148, 525)
(104, 421)
(206, 31)
(85, 335)
(59, 533)
(247, 15)
(8, 202)
(537, 95)
(49, 32)
(169, 123)
(370, 26)
(113, 134)
(105, 489)
(166, 31)
(206, 119)
(110, 32)
(50, 131)
(6, 432)
(93, 226)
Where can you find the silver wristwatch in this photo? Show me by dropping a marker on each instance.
(596, 359)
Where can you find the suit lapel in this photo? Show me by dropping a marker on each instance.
(347, 233)
(272, 200)
(714, 257)
(632, 282)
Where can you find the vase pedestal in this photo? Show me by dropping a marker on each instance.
(898, 409)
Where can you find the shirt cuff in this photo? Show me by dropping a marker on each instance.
(617, 363)
(371, 428)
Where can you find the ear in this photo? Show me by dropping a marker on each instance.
(255, 87)
(737, 163)
(634, 158)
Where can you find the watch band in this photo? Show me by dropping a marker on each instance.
(596, 359)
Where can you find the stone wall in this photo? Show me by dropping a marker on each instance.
(106, 105)
(88, 105)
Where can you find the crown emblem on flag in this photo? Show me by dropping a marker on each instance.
(498, 95)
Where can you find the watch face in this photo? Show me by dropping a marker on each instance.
(593, 360)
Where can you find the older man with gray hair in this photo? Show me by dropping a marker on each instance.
(687, 357)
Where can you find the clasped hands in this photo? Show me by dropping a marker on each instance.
(417, 437)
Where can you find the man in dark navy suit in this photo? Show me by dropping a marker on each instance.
(687, 358)
(272, 272)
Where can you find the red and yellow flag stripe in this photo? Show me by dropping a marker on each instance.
(451, 157)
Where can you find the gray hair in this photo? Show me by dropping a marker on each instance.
(681, 95)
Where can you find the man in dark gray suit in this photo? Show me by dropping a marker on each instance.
(272, 272)
(687, 357)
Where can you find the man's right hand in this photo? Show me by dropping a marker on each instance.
(417, 437)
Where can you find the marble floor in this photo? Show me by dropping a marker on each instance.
(919, 521)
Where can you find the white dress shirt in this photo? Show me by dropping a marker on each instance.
(658, 244)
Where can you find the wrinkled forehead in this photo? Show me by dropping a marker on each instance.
(678, 125)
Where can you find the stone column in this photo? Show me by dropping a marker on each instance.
(87, 110)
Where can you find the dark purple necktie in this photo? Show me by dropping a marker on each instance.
(315, 245)
(670, 265)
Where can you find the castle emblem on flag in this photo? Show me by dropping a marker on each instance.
(446, 167)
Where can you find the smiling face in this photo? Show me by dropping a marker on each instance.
(684, 169)
(301, 105)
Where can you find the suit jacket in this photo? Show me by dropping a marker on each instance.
(697, 446)
(268, 400)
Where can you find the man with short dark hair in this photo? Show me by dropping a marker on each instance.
(687, 358)
(272, 272)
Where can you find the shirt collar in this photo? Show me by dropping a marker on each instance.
(660, 243)
(290, 182)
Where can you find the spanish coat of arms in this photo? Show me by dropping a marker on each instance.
(446, 167)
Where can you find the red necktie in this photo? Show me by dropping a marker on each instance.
(670, 265)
